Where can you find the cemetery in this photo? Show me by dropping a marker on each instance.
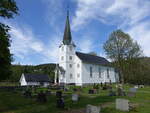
(84, 99)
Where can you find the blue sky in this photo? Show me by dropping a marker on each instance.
(38, 29)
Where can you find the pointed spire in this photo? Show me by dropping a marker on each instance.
(67, 33)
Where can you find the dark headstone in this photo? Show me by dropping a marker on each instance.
(48, 92)
(75, 89)
(121, 92)
(41, 97)
(91, 91)
(112, 93)
(59, 94)
(27, 94)
(101, 84)
(60, 103)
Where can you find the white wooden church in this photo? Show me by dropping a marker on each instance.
(80, 68)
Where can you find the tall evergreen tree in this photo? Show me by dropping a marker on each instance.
(7, 10)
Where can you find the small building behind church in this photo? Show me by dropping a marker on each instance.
(34, 80)
(81, 68)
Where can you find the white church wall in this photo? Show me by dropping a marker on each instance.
(96, 78)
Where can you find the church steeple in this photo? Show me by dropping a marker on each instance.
(67, 33)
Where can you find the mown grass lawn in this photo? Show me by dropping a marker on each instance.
(14, 102)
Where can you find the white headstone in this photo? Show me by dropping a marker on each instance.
(141, 86)
(75, 97)
(133, 90)
(92, 109)
(122, 104)
(136, 86)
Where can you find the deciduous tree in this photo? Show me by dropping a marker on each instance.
(121, 48)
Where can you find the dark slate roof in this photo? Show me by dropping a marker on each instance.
(36, 78)
(67, 33)
(92, 59)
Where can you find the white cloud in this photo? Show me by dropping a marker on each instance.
(85, 45)
(54, 10)
(130, 15)
(114, 11)
(141, 33)
(23, 41)
(25, 44)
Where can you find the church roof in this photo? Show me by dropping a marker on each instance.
(92, 59)
(67, 33)
(36, 78)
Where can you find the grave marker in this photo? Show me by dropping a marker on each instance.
(122, 104)
(92, 109)
(75, 97)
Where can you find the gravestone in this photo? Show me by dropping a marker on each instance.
(112, 93)
(48, 92)
(91, 91)
(132, 92)
(28, 94)
(75, 97)
(136, 86)
(122, 104)
(58, 94)
(41, 97)
(60, 103)
(101, 84)
(141, 86)
(75, 89)
(121, 92)
(92, 109)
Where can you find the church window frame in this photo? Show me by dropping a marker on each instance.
(71, 76)
(70, 65)
(108, 75)
(78, 65)
(70, 57)
(91, 72)
(100, 72)
(78, 75)
(70, 48)
(62, 58)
